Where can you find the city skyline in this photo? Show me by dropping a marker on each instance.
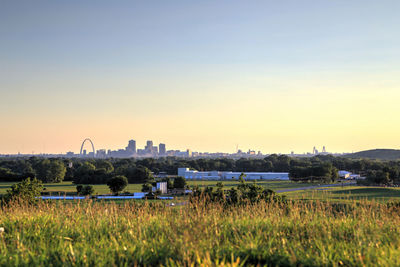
(267, 75)
(151, 149)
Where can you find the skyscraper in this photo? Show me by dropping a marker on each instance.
(161, 149)
(149, 146)
(131, 146)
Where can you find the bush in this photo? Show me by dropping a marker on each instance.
(86, 190)
(27, 190)
(179, 182)
(147, 187)
(117, 184)
(243, 194)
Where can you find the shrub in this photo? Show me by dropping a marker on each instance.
(147, 188)
(244, 193)
(179, 182)
(27, 190)
(117, 184)
(86, 190)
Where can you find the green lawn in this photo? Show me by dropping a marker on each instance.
(69, 187)
(333, 193)
(348, 193)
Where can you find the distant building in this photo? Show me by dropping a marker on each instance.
(101, 153)
(217, 175)
(344, 174)
(349, 175)
(131, 147)
(161, 149)
(162, 186)
(149, 147)
(251, 152)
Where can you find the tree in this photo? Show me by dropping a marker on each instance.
(51, 171)
(86, 190)
(179, 182)
(378, 177)
(27, 190)
(117, 184)
(241, 177)
(79, 188)
(140, 174)
(106, 165)
(147, 187)
(6, 175)
(84, 173)
(219, 194)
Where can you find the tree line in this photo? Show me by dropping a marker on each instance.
(99, 171)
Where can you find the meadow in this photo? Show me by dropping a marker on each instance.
(347, 194)
(362, 233)
(68, 187)
(335, 193)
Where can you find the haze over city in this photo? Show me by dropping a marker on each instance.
(270, 76)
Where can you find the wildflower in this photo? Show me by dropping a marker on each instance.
(1, 229)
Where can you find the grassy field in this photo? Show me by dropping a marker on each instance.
(349, 193)
(332, 194)
(69, 187)
(108, 234)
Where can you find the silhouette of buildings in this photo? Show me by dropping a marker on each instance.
(161, 149)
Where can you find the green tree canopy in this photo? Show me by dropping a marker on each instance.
(51, 171)
(140, 174)
(117, 184)
(179, 182)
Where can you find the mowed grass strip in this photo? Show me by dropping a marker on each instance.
(69, 187)
(106, 234)
(348, 193)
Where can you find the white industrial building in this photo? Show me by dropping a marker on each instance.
(217, 175)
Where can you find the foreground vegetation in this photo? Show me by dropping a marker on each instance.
(295, 233)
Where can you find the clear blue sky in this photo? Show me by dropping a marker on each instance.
(201, 74)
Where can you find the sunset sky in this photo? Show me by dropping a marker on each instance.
(275, 76)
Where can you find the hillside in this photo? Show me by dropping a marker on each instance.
(382, 154)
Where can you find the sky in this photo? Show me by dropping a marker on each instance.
(274, 76)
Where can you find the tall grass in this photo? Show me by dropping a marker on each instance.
(107, 234)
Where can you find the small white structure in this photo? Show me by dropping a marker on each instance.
(162, 186)
(350, 176)
(216, 175)
(344, 174)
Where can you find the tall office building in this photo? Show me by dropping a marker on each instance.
(161, 149)
(149, 146)
(131, 146)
